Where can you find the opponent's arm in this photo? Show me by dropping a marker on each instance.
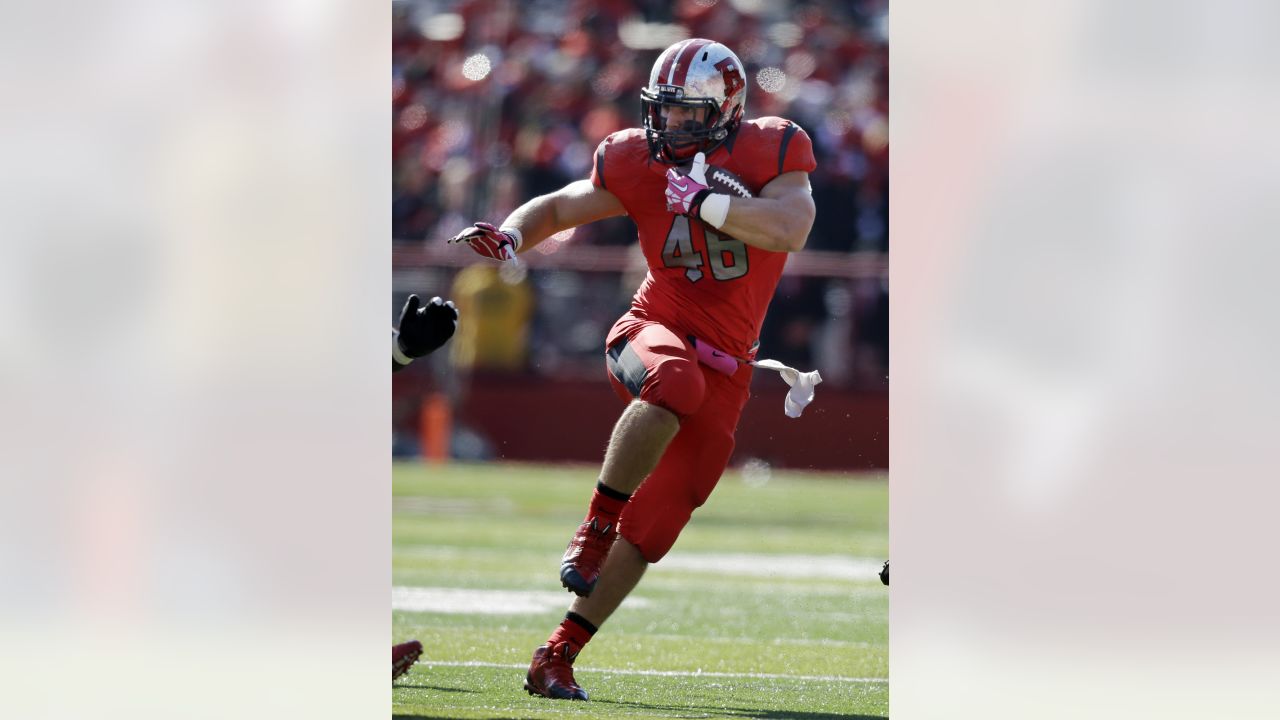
(422, 329)
(779, 219)
(577, 203)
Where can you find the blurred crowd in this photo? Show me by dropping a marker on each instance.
(496, 101)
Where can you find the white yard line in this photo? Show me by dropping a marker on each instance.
(819, 642)
(669, 673)
(842, 567)
(485, 602)
(762, 565)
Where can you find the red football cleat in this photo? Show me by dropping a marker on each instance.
(580, 566)
(551, 674)
(403, 656)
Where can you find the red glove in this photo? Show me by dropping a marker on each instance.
(489, 241)
(686, 192)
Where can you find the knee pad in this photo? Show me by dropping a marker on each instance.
(677, 385)
(654, 542)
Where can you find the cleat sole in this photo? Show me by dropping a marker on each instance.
(572, 581)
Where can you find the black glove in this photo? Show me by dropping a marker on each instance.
(884, 573)
(424, 328)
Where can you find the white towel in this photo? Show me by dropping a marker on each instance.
(802, 384)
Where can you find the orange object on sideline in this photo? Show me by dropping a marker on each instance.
(437, 427)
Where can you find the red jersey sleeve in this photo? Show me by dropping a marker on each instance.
(765, 148)
(617, 160)
(795, 150)
(597, 167)
(621, 166)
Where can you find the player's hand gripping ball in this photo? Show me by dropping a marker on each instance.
(686, 191)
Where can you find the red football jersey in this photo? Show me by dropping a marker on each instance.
(700, 281)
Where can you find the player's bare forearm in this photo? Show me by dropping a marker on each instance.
(777, 224)
(575, 204)
(536, 221)
(779, 219)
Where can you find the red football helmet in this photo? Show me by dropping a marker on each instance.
(693, 74)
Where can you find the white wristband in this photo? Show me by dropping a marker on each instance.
(715, 210)
(515, 233)
(397, 352)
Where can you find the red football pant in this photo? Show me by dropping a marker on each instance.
(649, 361)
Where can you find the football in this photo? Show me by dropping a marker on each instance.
(723, 181)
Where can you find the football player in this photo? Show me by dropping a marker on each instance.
(422, 330)
(713, 264)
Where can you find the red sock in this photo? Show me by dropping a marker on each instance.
(575, 630)
(606, 504)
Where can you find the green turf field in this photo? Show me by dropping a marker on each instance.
(768, 607)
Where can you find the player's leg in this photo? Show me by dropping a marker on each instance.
(662, 506)
(551, 672)
(621, 572)
(636, 444)
(658, 372)
(688, 472)
(650, 524)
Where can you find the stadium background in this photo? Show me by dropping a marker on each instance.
(495, 102)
